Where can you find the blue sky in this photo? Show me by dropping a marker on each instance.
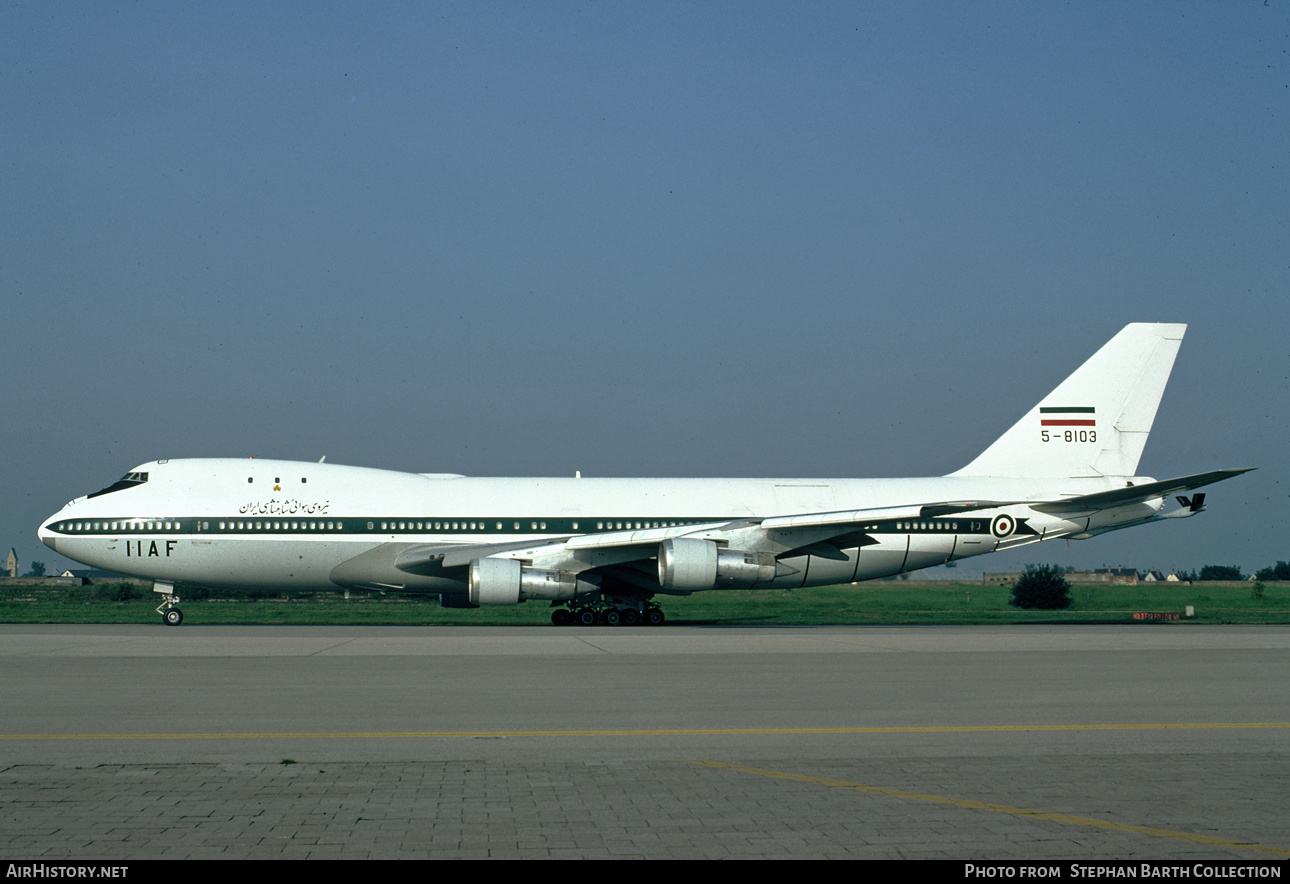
(719, 239)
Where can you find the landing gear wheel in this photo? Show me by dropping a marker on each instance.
(173, 616)
(613, 617)
(631, 618)
(586, 617)
(654, 617)
(561, 616)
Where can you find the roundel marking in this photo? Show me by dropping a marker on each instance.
(1002, 525)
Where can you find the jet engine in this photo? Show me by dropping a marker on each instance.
(508, 582)
(690, 564)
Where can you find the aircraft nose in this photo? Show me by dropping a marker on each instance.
(48, 537)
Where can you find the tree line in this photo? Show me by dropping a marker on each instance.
(1279, 571)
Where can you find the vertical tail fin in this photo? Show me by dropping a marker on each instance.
(1097, 420)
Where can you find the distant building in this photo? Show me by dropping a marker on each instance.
(1104, 576)
(93, 574)
(11, 563)
(1112, 576)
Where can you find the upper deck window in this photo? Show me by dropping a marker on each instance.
(129, 480)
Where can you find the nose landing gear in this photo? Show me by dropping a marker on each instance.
(168, 609)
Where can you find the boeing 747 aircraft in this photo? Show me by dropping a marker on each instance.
(602, 550)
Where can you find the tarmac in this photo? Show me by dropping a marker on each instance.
(1148, 741)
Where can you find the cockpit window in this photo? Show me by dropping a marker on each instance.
(129, 480)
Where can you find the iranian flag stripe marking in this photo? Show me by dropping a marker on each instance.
(1067, 421)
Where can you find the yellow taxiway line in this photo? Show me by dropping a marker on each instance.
(1091, 822)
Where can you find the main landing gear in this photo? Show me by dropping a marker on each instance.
(168, 609)
(604, 614)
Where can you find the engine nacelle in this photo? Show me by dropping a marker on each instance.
(690, 564)
(508, 582)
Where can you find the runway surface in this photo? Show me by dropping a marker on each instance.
(1151, 741)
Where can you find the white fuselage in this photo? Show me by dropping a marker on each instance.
(279, 524)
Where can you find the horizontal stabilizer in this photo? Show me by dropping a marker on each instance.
(1133, 493)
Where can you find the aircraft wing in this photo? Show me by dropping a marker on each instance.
(820, 533)
(407, 565)
(433, 559)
